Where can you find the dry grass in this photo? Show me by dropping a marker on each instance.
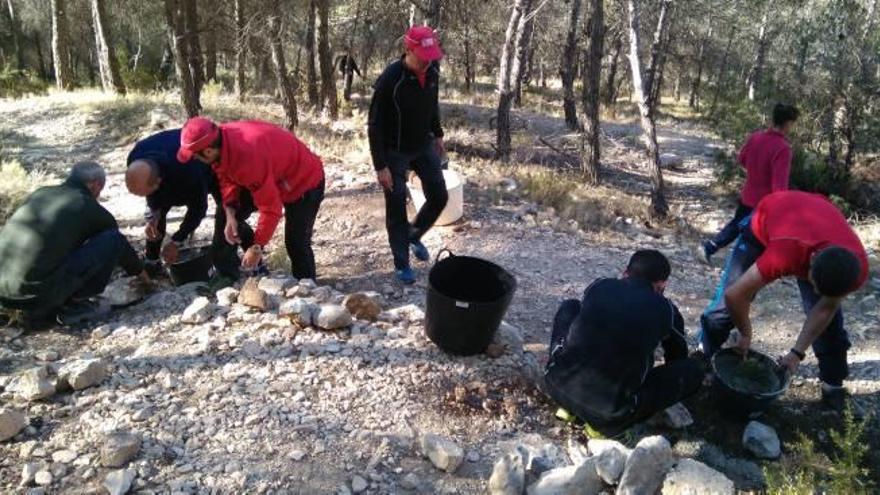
(16, 186)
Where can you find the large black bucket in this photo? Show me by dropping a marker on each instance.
(732, 400)
(193, 265)
(466, 301)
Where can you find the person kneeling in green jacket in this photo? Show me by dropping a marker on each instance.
(59, 249)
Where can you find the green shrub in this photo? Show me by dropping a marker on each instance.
(140, 80)
(15, 187)
(548, 188)
(16, 83)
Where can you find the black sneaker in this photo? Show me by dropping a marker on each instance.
(75, 312)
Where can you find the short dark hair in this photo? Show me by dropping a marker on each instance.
(783, 114)
(650, 265)
(835, 271)
(218, 143)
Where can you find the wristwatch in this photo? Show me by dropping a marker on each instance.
(800, 355)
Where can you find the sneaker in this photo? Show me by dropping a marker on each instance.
(419, 250)
(75, 312)
(406, 275)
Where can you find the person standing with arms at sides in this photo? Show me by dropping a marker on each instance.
(405, 134)
(766, 156)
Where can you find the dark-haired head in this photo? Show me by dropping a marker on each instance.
(835, 271)
(649, 265)
(784, 116)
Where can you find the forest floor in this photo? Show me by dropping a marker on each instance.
(353, 410)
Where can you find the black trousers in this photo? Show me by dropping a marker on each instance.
(223, 254)
(426, 165)
(730, 232)
(662, 387)
(154, 247)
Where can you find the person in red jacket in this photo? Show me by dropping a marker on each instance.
(278, 170)
(766, 156)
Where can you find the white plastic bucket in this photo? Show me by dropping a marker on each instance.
(454, 207)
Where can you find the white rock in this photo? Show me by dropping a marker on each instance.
(761, 440)
(510, 338)
(358, 484)
(297, 455)
(119, 448)
(569, 480)
(119, 482)
(83, 373)
(299, 311)
(646, 467)
(410, 481)
(690, 477)
(43, 478)
(227, 296)
(199, 311)
(670, 160)
(332, 317)
(275, 285)
(472, 456)
(12, 422)
(46, 356)
(442, 452)
(64, 456)
(28, 474)
(34, 384)
(676, 417)
(508, 475)
(610, 460)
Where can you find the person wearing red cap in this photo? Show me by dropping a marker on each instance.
(278, 170)
(405, 133)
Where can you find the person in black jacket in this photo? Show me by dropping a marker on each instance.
(601, 366)
(405, 133)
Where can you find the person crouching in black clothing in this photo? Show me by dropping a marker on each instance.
(601, 366)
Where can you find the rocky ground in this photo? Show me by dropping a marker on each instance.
(184, 395)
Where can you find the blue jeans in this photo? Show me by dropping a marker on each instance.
(730, 231)
(831, 346)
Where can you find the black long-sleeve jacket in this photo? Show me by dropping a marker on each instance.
(403, 114)
(610, 346)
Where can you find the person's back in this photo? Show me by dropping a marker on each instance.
(766, 156)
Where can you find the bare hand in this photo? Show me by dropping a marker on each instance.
(385, 179)
(790, 361)
(440, 147)
(151, 230)
(251, 257)
(231, 231)
(743, 344)
(170, 253)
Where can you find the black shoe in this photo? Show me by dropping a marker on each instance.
(709, 248)
(75, 312)
(837, 399)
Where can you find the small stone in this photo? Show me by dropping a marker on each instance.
(299, 311)
(442, 452)
(410, 481)
(362, 306)
(227, 296)
(274, 286)
(761, 440)
(251, 295)
(119, 448)
(101, 332)
(64, 456)
(569, 480)
(119, 482)
(83, 373)
(508, 475)
(12, 422)
(670, 160)
(141, 414)
(646, 466)
(43, 478)
(692, 477)
(472, 456)
(676, 417)
(46, 356)
(610, 457)
(332, 317)
(199, 311)
(297, 455)
(34, 384)
(28, 474)
(495, 350)
(358, 484)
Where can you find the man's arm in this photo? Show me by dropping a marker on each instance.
(816, 323)
(380, 105)
(675, 344)
(738, 299)
(436, 128)
(100, 220)
(743, 152)
(196, 209)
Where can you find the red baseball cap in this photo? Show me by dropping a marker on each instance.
(197, 134)
(423, 42)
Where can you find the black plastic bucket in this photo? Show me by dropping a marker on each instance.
(193, 265)
(466, 301)
(736, 403)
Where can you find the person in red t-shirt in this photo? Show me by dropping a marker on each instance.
(281, 174)
(766, 156)
(793, 233)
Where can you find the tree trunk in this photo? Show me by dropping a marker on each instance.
(505, 88)
(611, 86)
(64, 75)
(468, 63)
(722, 69)
(756, 73)
(311, 68)
(41, 60)
(240, 50)
(264, 75)
(285, 88)
(566, 69)
(111, 80)
(189, 94)
(15, 29)
(210, 52)
(694, 100)
(432, 13)
(328, 74)
(590, 151)
(659, 74)
(522, 52)
(659, 207)
(349, 60)
(656, 52)
(191, 23)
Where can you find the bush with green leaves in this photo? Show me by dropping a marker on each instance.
(16, 83)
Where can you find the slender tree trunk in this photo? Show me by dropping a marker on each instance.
(311, 68)
(111, 80)
(656, 52)
(210, 52)
(15, 31)
(756, 73)
(285, 87)
(659, 207)
(260, 55)
(328, 74)
(659, 74)
(191, 24)
(41, 60)
(505, 74)
(349, 50)
(590, 150)
(64, 75)
(432, 13)
(722, 70)
(611, 86)
(694, 100)
(522, 52)
(189, 94)
(240, 50)
(566, 69)
(468, 63)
